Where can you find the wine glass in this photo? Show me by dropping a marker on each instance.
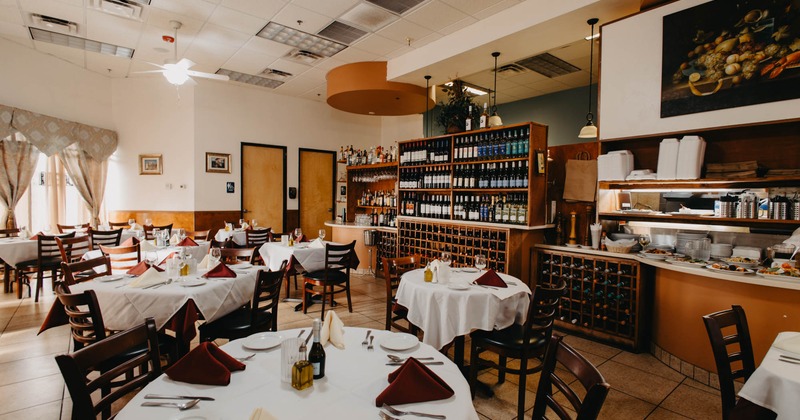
(148, 222)
(216, 255)
(47, 229)
(321, 234)
(131, 222)
(253, 223)
(644, 240)
(447, 258)
(151, 258)
(298, 233)
(480, 261)
(241, 223)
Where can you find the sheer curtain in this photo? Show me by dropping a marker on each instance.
(18, 162)
(89, 177)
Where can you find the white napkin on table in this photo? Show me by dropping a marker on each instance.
(791, 344)
(333, 330)
(174, 240)
(204, 263)
(149, 278)
(436, 266)
(147, 246)
(262, 414)
(317, 243)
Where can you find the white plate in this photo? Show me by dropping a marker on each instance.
(687, 263)
(457, 286)
(734, 272)
(469, 270)
(734, 261)
(656, 256)
(193, 283)
(262, 341)
(399, 341)
(573, 245)
(110, 278)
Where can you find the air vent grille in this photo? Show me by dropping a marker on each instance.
(250, 79)
(80, 43)
(548, 65)
(397, 6)
(54, 24)
(303, 56)
(512, 68)
(275, 74)
(341, 32)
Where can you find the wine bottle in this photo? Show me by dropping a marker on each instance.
(484, 116)
(317, 354)
(468, 122)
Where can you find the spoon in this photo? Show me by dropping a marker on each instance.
(169, 281)
(246, 358)
(180, 406)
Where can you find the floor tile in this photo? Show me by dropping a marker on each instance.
(637, 383)
(647, 363)
(694, 403)
(664, 414)
(583, 345)
(619, 405)
(23, 395)
(51, 410)
(27, 369)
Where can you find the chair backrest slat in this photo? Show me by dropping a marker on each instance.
(105, 237)
(86, 270)
(72, 249)
(237, 255)
(256, 238)
(122, 257)
(148, 230)
(266, 295)
(81, 227)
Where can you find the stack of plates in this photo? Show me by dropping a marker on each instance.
(684, 237)
(721, 250)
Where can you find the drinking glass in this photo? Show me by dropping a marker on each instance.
(480, 261)
(216, 255)
(298, 233)
(131, 222)
(181, 233)
(290, 354)
(151, 258)
(156, 235)
(321, 234)
(148, 222)
(644, 240)
(447, 257)
(241, 222)
(47, 229)
(253, 223)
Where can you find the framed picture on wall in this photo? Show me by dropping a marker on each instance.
(150, 165)
(218, 163)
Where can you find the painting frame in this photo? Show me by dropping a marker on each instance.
(151, 164)
(219, 163)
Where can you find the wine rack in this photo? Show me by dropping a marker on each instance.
(387, 248)
(373, 178)
(605, 297)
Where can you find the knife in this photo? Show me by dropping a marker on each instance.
(424, 363)
(176, 397)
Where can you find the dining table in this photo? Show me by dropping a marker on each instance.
(238, 235)
(447, 311)
(161, 252)
(354, 377)
(176, 304)
(775, 384)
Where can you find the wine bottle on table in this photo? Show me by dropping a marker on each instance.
(317, 354)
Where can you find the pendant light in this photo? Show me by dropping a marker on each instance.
(427, 93)
(494, 120)
(589, 131)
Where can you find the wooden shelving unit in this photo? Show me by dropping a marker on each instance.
(355, 188)
(605, 298)
(387, 248)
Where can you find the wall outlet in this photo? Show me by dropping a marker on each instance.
(182, 186)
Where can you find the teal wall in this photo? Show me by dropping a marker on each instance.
(563, 112)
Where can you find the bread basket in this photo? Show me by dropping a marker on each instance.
(622, 246)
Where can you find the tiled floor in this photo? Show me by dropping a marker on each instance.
(641, 387)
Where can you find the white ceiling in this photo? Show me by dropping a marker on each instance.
(221, 34)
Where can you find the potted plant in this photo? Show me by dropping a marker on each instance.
(453, 114)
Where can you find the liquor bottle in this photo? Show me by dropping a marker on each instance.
(317, 354)
(484, 118)
(302, 371)
(468, 122)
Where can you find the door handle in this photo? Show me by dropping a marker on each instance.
(245, 211)
(330, 210)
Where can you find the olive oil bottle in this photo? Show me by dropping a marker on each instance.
(302, 371)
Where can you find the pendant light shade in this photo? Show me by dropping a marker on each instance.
(494, 119)
(589, 131)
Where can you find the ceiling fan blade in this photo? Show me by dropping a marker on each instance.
(155, 65)
(185, 63)
(208, 75)
(147, 71)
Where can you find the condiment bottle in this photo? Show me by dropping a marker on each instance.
(302, 371)
(428, 274)
(317, 354)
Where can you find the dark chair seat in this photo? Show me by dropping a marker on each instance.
(237, 324)
(54, 262)
(399, 309)
(511, 339)
(393, 269)
(335, 277)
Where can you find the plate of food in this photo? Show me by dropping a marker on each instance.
(656, 254)
(729, 269)
(687, 262)
(783, 271)
(741, 262)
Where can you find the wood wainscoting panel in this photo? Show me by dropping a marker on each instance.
(179, 219)
(215, 220)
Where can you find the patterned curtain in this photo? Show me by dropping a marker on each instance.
(89, 176)
(18, 162)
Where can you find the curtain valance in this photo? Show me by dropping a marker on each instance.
(52, 135)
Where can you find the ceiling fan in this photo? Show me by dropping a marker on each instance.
(178, 72)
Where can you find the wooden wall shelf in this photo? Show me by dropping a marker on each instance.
(775, 181)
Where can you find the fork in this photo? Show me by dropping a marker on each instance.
(370, 346)
(246, 358)
(397, 412)
(366, 338)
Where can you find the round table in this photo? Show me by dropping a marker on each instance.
(354, 377)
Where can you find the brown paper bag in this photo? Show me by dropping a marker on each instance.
(581, 180)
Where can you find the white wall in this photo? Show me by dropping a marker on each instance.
(394, 129)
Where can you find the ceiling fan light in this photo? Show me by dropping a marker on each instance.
(589, 131)
(175, 75)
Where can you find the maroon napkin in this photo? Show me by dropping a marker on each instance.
(413, 382)
(139, 269)
(187, 242)
(490, 278)
(35, 237)
(221, 270)
(207, 364)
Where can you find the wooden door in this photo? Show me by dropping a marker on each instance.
(316, 190)
(264, 185)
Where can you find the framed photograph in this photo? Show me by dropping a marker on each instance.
(540, 162)
(218, 163)
(150, 165)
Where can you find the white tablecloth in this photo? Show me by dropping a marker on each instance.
(310, 258)
(444, 314)
(239, 236)
(353, 379)
(197, 252)
(775, 385)
(125, 307)
(16, 250)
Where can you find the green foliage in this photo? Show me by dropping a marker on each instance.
(453, 114)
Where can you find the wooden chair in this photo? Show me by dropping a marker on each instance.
(393, 269)
(148, 230)
(124, 225)
(78, 369)
(105, 237)
(48, 258)
(595, 387)
(122, 257)
(198, 235)
(83, 227)
(72, 249)
(523, 342)
(86, 270)
(256, 238)
(7, 285)
(252, 318)
(335, 276)
(741, 358)
(237, 255)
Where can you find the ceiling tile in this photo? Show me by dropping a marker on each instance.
(378, 45)
(547, 85)
(293, 87)
(55, 9)
(353, 54)
(16, 33)
(435, 15)
(312, 21)
(264, 9)
(329, 64)
(11, 14)
(158, 19)
(195, 9)
(401, 30)
(289, 66)
(577, 79)
(461, 24)
(267, 47)
(316, 94)
(499, 7)
(472, 7)
(112, 29)
(101, 63)
(236, 20)
(518, 91)
(248, 61)
(217, 34)
(73, 55)
(526, 77)
(330, 8)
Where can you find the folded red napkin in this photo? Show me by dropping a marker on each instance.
(35, 237)
(187, 242)
(139, 269)
(221, 270)
(490, 278)
(207, 364)
(413, 382)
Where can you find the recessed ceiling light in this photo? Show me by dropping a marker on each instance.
(80, 43)
(302, 40)
(250, 79)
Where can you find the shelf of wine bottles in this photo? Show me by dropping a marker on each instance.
(429, 239)
(425, 152)
(420, 204)
(511, 208)
(430, 177)
(387, 248)
(603, 296)
(489, 145)
(494, 175)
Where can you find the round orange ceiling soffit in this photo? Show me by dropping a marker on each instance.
(362, 88)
